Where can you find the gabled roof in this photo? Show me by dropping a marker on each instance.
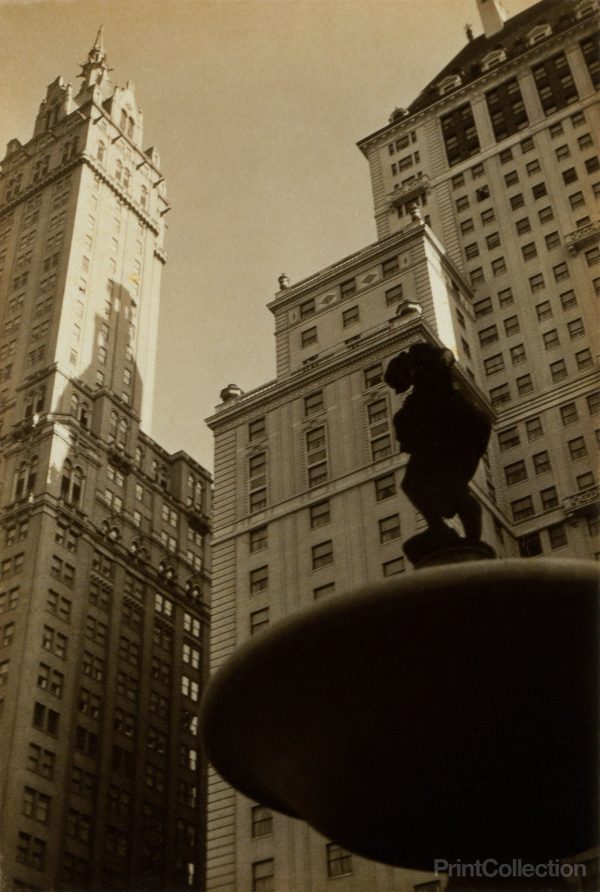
(559, 14)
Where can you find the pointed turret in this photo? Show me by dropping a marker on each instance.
(94, 71)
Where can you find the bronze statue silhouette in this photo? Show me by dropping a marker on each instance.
(445, 434)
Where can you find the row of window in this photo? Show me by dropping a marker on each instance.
(506, 108)
(338, 862)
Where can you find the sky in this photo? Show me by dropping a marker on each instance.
(255, 107)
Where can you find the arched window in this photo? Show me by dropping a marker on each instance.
(130, 127)
(118, 170)
(65, 480)
(20, 481)
(126, 177)
(139, 455)
(76, 485)
(122, 434)
(32, 474)
(154, 472)
(100, 151)
(51, 116)
(123, 119)
(40, 399)
(112, 430)
(144, 197)
(84, 414)
(29, 405)
(71, 484)
(74, 405)
(198, 493)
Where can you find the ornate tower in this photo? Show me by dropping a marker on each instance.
(104, 574)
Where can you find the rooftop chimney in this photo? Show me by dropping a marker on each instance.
(493, 15)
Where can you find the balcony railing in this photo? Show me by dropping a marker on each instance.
(582, 236)
(582, 502)
(403, 194)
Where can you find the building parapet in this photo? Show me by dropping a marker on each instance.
(582, 502)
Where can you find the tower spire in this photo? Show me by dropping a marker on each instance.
(94, 70)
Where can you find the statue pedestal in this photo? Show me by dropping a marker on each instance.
(447, 715)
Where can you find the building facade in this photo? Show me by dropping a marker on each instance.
(104, 572)
(499, 155)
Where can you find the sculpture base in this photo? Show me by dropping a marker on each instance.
(444, 546)
(450, 714)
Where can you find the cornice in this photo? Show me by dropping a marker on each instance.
(306, 379)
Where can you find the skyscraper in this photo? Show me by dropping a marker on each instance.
(498, 153)
(104, 569)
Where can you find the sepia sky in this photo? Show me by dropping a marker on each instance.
(256, 107)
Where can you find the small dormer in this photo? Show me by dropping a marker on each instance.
(538, 33)
(449, 83)
(125, 113)
(584, 8)
(56, 106)
(495, 57)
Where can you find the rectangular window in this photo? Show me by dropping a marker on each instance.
(258, 539)
(390, 267)
(551, 339)
(488, 335)
(515, 473)
(263, 876)
(522, 226)
(543, 311)
(576, 200)
(498, 266)
(488, 216)
(533, 428)
(320, 514)
(508, 438)
(541, 462)
(522, 508)
(350, 316)
(512, 325)
(558, 370)
(500, 395)
(557, 535)
(505, 298)
(307, 308)
(577, 448)
(259, 579)
(517, 201)
(257, 428)
(584, 359)
(385, 487)
(339, 861)
(545, 215)
(393, 295)
(262, 821)
(554, 83)
(459, 133)
(518, 354)
(348, 288)
(524, 385)
(539, 191)
(259, 619)
(529, 251)
(575, 329)
(313, 402)
(393, 567)
(494, 364)
(389, 528)
(549, 498)
(308, 336)
(506, 109)
(585, 481)
(322, 555)
(373, 375)
(482, 307)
